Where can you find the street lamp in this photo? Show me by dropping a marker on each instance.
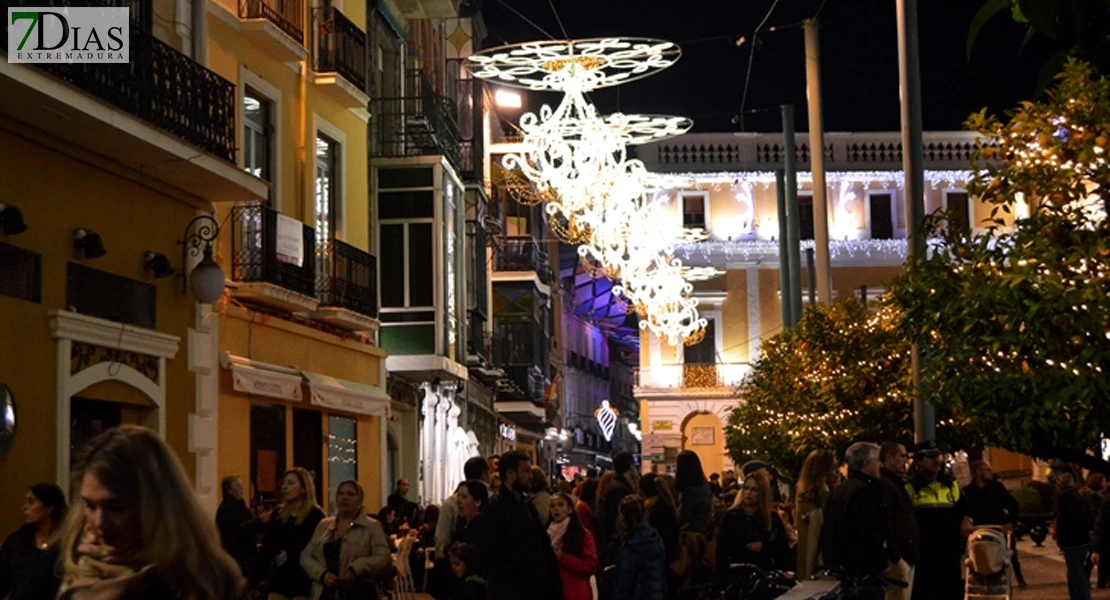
(206, 280)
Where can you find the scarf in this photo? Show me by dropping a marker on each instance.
(97, 575)
(556, 531)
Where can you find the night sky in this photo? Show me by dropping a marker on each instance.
(859, 59)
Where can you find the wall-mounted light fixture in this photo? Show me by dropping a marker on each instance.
(89, 241)
(11, 219)
(206, 280)
(158, 264)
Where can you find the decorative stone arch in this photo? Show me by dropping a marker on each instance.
(91, 350)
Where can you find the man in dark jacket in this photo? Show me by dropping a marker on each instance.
(990, 503)
(516, 546)
(857, 535)
(239, 529)
(1073, 535)
(903, 520)
(621, 486)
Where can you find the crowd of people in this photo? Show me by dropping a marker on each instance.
(135, 530)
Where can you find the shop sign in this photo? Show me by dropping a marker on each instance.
(508, 432)
(264, 384)
(662, 425)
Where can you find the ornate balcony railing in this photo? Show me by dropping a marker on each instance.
(258, 257)
(160, 85)
(713, 152)
(522, 253)
(287, 15)
(719, 376)
(422, 123)
(339, 46)
(347, 278)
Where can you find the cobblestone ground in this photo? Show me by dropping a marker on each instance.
(1044, 572)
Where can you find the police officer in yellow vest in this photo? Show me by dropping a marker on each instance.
(943, 522)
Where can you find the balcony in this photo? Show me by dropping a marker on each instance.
(844, 151)
(428, 9)
(273, 259)
(468, 94)
(521, 254)
(162, 114)
(275, 25)
(346, 287)
(708, 380)
(339, 65)
(422, 124)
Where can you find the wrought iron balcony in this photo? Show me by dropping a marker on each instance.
(468, 95)
(522, 253)
(160, 85)
(258, 257)
(347, 278)
(423, 123)
(339, 46)
(287, 15)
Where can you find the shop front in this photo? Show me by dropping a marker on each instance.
(293, 396)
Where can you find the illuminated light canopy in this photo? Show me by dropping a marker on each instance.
(606, 419)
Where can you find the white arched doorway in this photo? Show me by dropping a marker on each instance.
(91, 350)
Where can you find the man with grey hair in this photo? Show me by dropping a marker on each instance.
(857, 534)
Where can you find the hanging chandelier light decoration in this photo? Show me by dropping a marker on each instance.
(577, 163)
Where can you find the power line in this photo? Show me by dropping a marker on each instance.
(526, 19)
(751, 59)
(739, 38)
(560, 21)
(819, 9)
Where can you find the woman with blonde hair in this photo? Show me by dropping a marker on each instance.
(135, 530)
(347, 550)
(752, 532)
(287, 535)
(812, 494)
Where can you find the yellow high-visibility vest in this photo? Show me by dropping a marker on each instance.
(934, 495)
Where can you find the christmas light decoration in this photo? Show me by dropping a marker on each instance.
(606, 419)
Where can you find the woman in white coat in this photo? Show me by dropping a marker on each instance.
(347, 551)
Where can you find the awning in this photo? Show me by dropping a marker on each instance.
(262, 379)
(349, 396)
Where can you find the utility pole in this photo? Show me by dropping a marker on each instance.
(817, 161)
(790, 168)
(784, 251)
(909, 80)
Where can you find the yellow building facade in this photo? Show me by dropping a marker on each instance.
(730, 192)
(299, 377)
(95, 331)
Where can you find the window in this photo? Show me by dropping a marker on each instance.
(693, 211)
(20, 273)
(328, 217)
(267, 452)
(109, 296)
(882, 216)
(342, 452)
(805, 217)
(705, 351)
(257, 135)
(89, 418)
(959, 214)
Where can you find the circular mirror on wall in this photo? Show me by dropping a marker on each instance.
(7, 418)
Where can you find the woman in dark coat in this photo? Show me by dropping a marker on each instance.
(43, 510)
(695, 500)
(287, 535)
(751, 532)
(641, 570)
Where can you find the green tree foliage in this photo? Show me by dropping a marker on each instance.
(842, 375)
(1017, 318)
(1076, 28)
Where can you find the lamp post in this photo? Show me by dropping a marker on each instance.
(206, 280)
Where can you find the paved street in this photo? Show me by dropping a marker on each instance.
(1044, 572)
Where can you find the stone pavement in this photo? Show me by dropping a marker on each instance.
(1044, 572)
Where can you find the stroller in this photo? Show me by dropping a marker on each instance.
(987, 570)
